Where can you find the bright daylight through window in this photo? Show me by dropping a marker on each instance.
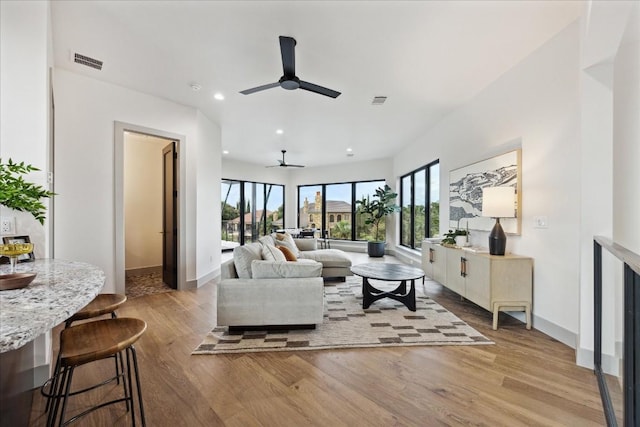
(332, 207)
(250, 210)
(419, 189)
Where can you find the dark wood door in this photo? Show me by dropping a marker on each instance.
(169, 217)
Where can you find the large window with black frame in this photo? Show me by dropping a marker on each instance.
(250, 210)
(332, 208)
(420, 203)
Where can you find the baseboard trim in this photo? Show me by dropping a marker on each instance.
(559, 333)
(212, 275)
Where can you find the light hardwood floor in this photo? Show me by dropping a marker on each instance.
(525, 379)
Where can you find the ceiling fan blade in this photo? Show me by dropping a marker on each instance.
(293, 166)
(319, 89)
(287, 49)
(259, 88)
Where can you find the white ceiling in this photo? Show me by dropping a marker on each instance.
(427, 57)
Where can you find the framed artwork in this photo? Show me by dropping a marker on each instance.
(18, 239)
(465, 192)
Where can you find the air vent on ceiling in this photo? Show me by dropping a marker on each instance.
(85, 60)
(378, 100)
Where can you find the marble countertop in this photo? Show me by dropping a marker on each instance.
(60, 289)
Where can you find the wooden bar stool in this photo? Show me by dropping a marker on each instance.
(101, 305)
(90, 342)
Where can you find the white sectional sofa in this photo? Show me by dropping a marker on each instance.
(258, 291)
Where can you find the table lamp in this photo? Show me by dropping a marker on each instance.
(498, 202)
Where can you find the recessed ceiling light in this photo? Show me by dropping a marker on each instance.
(279, 131)
(225, 151)
(218, 96)
(195, 87)
(349, 150)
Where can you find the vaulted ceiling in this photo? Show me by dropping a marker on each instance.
(427, 57)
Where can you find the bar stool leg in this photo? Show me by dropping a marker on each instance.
(66, 396)
(52, 387)
(134, 356)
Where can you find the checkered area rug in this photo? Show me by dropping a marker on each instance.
(386, 323)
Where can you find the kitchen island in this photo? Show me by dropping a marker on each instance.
(60, 289)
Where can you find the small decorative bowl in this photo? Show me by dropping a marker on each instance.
(15, 280)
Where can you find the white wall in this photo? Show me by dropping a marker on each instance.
(534, 105)
(25, 57)
(143, 200)
(86, 110)
(606, 127)
(626, 145)
(24, 104)
(208, 215)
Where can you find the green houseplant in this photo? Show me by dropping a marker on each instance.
(21, 195)
(376, 210)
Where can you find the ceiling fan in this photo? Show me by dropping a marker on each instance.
(289, 80)
(284, 164)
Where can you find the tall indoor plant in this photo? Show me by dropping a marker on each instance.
(21, 195)
(376, 210)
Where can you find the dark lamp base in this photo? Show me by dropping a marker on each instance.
(497, 239)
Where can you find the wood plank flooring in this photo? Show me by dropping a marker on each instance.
(525, 379)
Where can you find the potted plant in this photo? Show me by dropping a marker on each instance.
(376, 211)
(18, 194)
(459, 237)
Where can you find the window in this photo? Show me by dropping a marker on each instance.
(420, 203)
(309, 206)
(338, 201)
(250, 210)
(366, 190)
(333, 207)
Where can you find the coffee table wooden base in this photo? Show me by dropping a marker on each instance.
(371, 294)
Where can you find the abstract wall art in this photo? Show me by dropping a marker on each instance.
(465, 191)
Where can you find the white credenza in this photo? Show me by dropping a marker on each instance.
(496, 283)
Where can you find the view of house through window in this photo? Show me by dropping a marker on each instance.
(420, 202)
(250, 210)
(332, 207)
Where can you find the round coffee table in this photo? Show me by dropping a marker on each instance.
(388, 272)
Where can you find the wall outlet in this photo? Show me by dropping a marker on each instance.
(540, 222)
(7, 225)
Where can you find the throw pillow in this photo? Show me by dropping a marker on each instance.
(290, 256)
(287, 240)
(267, 240)
(242, 257)
(271, 253)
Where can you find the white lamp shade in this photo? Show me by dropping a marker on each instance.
(499, 202)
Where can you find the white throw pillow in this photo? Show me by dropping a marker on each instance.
(242, 257)
(285, 269)
(267, 240)
(287, 241)
(271, 253)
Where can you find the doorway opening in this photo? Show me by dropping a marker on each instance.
(147, 229)
(149, 211)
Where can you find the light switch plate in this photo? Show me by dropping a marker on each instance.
(540, 222)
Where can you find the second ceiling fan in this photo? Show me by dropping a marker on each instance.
(284, 164)
(289, 80)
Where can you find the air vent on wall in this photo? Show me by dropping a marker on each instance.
(378, 100)
(85, 60)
